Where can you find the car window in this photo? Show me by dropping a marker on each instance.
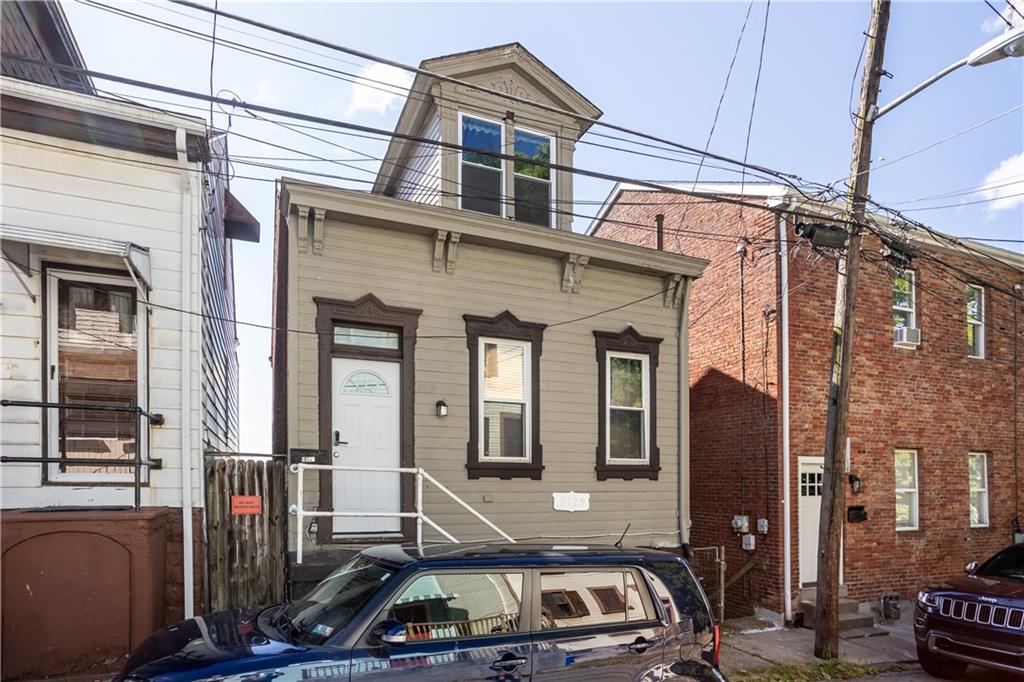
(333, 603)
(579, 598)
(450, 605)
(1006, 564)
(680, 593)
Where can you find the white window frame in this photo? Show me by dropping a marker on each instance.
(502, 199)
(912, 278)
(552, 217)
(645, 368)
(54, 474)
(526, 401)
(979, 324)
(984, 489)
(916, 515)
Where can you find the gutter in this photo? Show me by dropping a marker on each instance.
(188, 575)
(787, 531)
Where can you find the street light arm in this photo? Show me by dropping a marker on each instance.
(878, 113)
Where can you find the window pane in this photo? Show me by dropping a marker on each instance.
(635, 609)
(901, 291)
(504, 433)
(445, 606)
(532, 147)
(900, 319)
(482, 135)
(627, 379)
(626, 434)
(906, 516)
(973, 339)
(974, 304)
(370, 338)
(504, 371)
(533, 202)
(481, 189)
(906, 476)
(976, 471)
(97, 347)
(590, 598)
(979, 508)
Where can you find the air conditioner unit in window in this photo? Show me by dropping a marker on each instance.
(907, 337)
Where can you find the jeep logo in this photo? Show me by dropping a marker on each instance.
(988, 599)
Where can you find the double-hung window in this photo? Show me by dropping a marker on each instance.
(977, 475)
(627, 402)
(904, 304)
(975, 321)
(96, 358)
(504, 410)
(906, 490)
(482, 174)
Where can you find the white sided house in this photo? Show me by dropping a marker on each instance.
(115, 229)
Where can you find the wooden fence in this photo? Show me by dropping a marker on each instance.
(246, 522)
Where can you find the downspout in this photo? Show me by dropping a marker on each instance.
(188, 577)
(683, 423)
(787, 539)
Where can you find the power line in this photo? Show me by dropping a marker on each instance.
(999, 14)
(967, 203)
(753, 100)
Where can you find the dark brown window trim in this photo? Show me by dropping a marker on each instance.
(503, 326)
(367, 311)
(626, 341)
(45, 480)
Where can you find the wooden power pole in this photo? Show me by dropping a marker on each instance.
(833, 501)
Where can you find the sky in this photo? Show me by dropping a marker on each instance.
(657, 67)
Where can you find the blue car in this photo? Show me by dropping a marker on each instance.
(460, 612)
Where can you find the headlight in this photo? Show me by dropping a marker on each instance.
(927, 598)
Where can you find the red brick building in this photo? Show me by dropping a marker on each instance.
(935, 415)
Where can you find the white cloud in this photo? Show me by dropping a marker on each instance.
(1004, 182)
(996, 25)
(383, 89)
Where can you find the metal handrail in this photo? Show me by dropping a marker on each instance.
(421, 518)
(136, 463)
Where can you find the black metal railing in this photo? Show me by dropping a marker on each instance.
(136, 463)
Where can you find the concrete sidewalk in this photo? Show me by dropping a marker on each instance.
(749, 645)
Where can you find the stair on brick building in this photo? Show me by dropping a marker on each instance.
(850, 617)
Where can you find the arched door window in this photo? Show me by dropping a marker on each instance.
(363, 381)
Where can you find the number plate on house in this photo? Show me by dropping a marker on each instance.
(246, 504)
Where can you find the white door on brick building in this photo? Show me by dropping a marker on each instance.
(809, 484)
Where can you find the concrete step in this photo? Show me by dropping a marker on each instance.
(807, 593)
(845, 605)
(848, 620)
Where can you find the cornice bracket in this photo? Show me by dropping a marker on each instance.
(318, 230)
(573, 265)
(673, 290)
(440, 237)
(453, 247)
(302, 228)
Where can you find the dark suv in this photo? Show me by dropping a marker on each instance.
(974, 619)
(460, 612)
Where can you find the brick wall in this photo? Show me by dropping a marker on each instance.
(933, 398)
(175, 593)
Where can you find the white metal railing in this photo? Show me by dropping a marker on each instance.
(301, 513)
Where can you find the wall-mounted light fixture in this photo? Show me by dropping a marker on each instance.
(442, 408)
(855, 483)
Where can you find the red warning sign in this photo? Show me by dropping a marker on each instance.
(246, 504)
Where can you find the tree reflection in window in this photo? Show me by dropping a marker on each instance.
(365, 382)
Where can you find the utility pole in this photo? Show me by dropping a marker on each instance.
(833, 501)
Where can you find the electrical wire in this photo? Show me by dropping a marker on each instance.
(753, 104)
(999, 14)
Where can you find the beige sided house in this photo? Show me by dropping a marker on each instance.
(461, 326)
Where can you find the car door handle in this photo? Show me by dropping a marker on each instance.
(509, 662)
(639, 646)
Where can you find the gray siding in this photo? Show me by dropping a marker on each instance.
(421, 178)
(396, 267)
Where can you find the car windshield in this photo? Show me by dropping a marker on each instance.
(333, 603)
(1007, 564)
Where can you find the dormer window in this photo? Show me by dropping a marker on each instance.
(482, 177)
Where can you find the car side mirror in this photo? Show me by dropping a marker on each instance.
(390, 632)
(971, 568)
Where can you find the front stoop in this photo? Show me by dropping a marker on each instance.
(850, 618)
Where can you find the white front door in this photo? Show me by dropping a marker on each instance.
(811, 478)
(365, 431)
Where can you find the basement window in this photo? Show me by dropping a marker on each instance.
(906, 490)
(975, 321)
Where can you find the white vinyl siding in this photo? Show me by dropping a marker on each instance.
(421, 177)
(975, 321)
(906, 490)
(977, 476)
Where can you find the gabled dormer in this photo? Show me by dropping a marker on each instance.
(452, 113)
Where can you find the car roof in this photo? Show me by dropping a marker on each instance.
(511, 553)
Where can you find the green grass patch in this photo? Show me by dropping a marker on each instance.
(812, 672)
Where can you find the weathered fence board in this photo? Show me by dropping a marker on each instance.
(245, 552)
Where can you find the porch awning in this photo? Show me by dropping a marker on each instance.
(16, 241)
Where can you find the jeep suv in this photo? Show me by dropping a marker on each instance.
(976, 619)
(465, 612)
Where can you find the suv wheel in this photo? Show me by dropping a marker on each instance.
(940, 666)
